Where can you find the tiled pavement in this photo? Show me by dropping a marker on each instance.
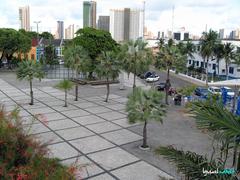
(89, 131)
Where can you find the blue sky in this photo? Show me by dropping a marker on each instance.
(191, 14)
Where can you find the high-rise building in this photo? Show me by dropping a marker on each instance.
(70, 32)
(221, 33)
(104, 23)
(233, 35)
(186, 36)
(126, 24)
(60, 30)
(177, 36)
(89, 13)
(24, 18)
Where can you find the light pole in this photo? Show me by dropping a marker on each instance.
(37, 51)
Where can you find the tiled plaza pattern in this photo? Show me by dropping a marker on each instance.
(89, 131)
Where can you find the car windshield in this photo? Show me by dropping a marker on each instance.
(217, 90)
(204, 90)
(229, 90)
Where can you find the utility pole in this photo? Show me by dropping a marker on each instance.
(172, 20)
(144, 5)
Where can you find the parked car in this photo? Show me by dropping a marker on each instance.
(161, 86)
(230, 92)
(61, 62)
(152, 78)
(215, 90)
(148, 74)
(201, 91)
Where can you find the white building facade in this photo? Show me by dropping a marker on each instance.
(24, 18)
(126, 24)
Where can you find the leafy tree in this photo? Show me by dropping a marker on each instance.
(95, 42)
(50, 55)
(229, 55)
(29, 70)
(108, 68)
(46, 35)
(136, 58)
(143, 106)
(208, 43)
(168, 57)
(192, 164)
(12, 41)
(76, 58)
(65, 85)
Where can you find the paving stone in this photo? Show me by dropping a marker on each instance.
(86, 120)
(35, 106)
(121, 100)
(87, 168)
(49, 138)
(116, 107)
(121, 136)
(124, 123)
(48, 99)
(74, 133)
(91, 144)
(112, 96)
(56, 102)
(62, 151)
(86, 104)
(75, 113)
(36, 128)
(94, 98)
(41, 110)
(29, 120)
(23, 113)
(140, 171)
(103, 127)
(112, 115)
(50, 116)
(61, 124)
(113, 158)
(103, 177)
(99, 109)
(62, 108)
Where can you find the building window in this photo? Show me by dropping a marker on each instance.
(231, 70)
(197, 63)
(238, 70)
(205, 65)
(223, 71)
(202, 64)
(214, 67)
(189, 62)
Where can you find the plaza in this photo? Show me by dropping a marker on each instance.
(96, 134)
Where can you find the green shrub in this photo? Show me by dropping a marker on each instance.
(23, 157)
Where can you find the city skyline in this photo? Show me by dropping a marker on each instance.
(193, 16)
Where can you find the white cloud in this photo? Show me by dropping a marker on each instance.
(193, 15)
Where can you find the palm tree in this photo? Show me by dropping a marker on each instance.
(218, 53)
(208, 43)
(228, 54)
(192, 164)
(108, 68)
(212, 115)
(143, 106)
(137, 58)
(29, 70)
(169, 56)
(77, 59)
(65, 85)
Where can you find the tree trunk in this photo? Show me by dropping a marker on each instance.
(218, 68)
(226, 70)
(144, 145)
(31, 93)
(203, 67)
(207, 73)
(234, 153)
(167, 87)
(76, 91)
(238, 163)
(65, 98)
(134, 80)
(108, 91)
(2, 56)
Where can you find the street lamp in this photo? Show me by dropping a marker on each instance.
(37, 22)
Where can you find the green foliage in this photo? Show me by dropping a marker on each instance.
(50, 55)
(145, 105)
(29, 70)
(12, 41)
(187, 91)
(24, 157)
(94, 42)
(47, 35)
(211, 114)
(109, 66)
(192, 164)
(65, 85)
(76, 58)
(135, 56)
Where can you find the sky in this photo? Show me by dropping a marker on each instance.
(193, 15)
